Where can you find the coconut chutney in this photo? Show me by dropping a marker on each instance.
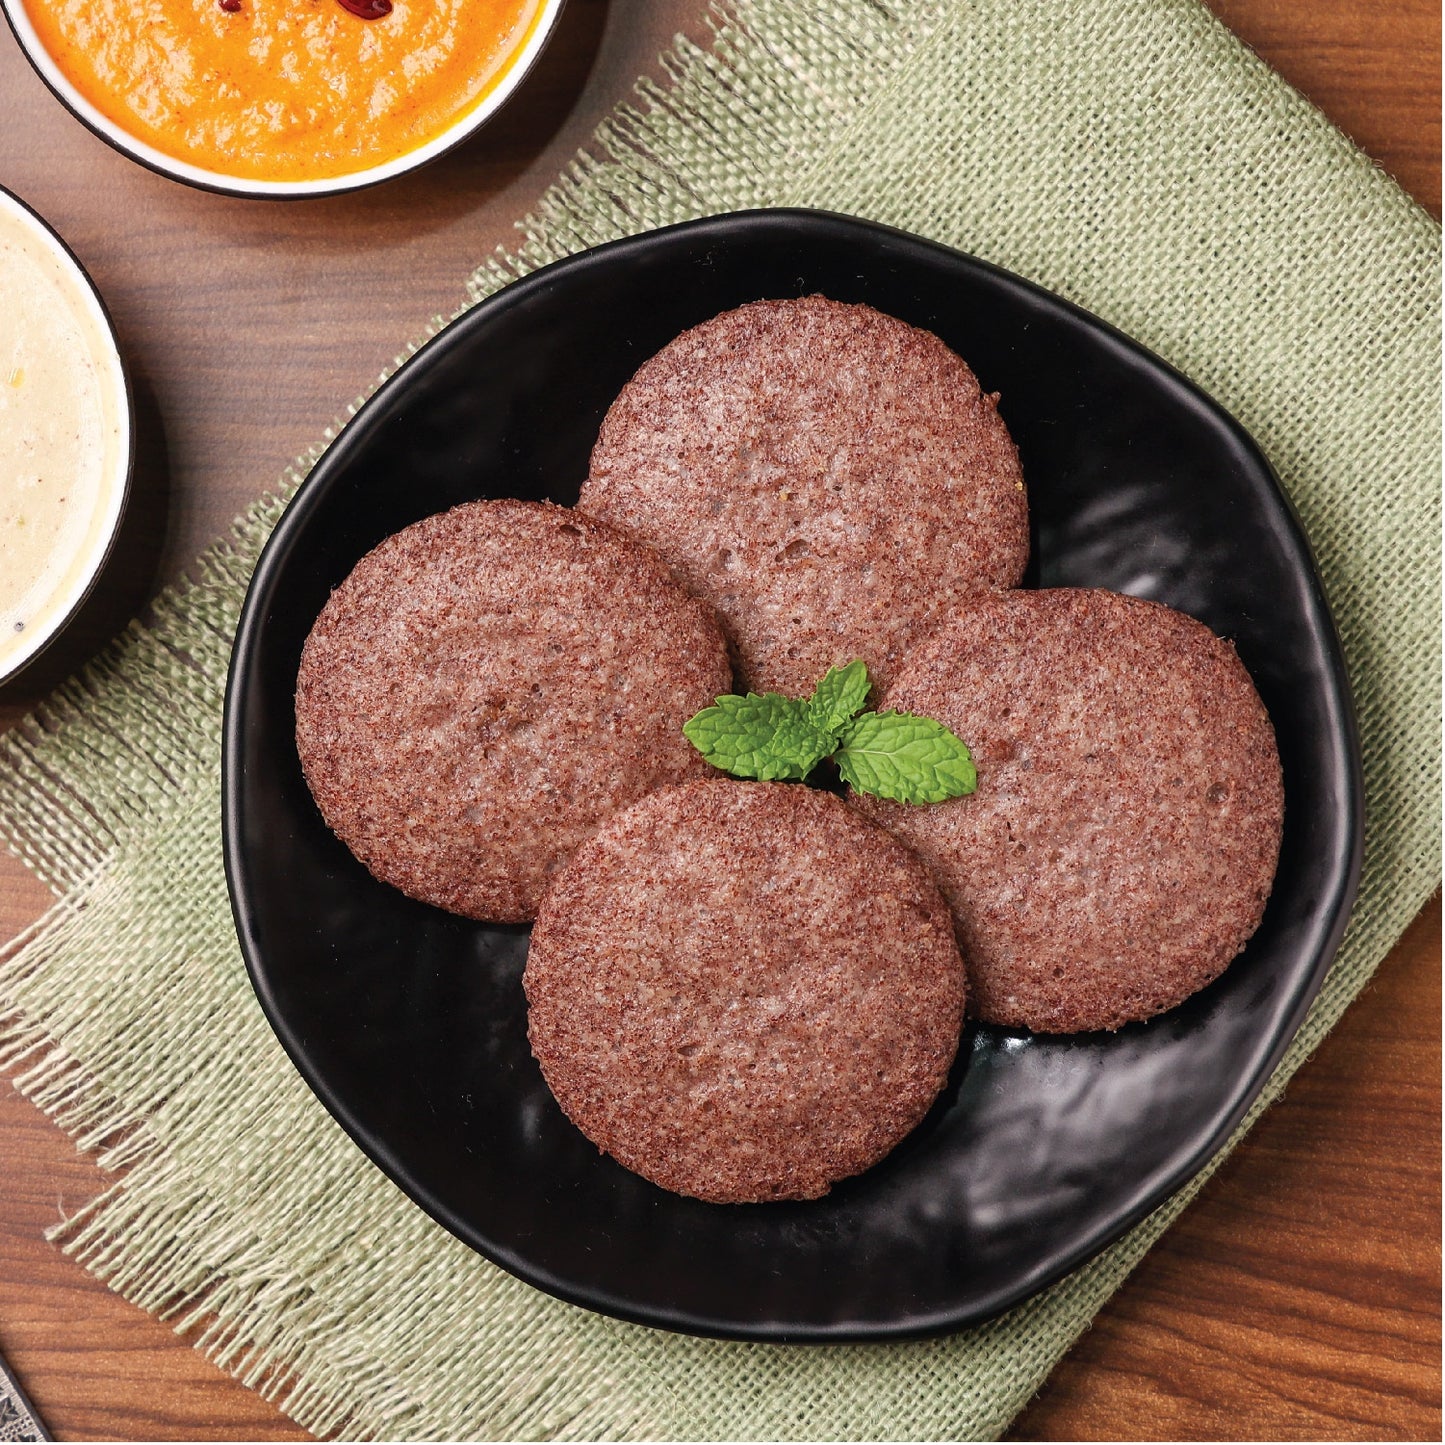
(64, 434)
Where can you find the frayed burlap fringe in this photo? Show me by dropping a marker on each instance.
(1130, 155)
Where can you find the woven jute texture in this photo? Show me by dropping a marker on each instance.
(1129, 154)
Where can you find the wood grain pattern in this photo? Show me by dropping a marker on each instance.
(1299, 1297)
(1373, 69)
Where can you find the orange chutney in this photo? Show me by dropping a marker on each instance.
(283, 90)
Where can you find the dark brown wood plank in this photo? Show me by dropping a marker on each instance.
(1373, 69)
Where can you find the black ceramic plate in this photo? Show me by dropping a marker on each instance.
(409, 1023)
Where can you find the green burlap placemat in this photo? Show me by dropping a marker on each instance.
(1131, 155)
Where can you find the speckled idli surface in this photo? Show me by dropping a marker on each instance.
(744, 991)
(487, 687)
(1122, 843)
(831, 479)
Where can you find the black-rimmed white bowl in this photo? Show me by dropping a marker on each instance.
(410, 1023)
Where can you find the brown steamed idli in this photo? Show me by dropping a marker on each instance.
(1122, 842)
(490, 684)
(744, 991)
(831, 479)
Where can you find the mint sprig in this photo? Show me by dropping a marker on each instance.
(890, 754)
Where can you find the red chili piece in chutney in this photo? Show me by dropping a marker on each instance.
(362, 9)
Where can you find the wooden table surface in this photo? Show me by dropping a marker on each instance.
(1298, 1298)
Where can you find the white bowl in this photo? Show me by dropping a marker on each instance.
(43, 265)
(515, 71)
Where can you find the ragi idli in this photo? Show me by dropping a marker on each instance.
(744, 991)
(490, 684)
(832, 480)
(1122, 842)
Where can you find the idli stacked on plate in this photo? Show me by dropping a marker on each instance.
(833, 481)
(749, 991)
(487, 687)
(744, 991)
(1121, 844)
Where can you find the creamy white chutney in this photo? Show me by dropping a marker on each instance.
(65, 435)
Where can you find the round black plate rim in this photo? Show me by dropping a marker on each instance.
(1334, 910)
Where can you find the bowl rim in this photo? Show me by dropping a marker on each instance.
(116, 379)
(1332, 912)
(540, 30)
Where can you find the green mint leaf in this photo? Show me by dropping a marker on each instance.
(906, 758)
(890, 754)
(839, 697)
(767, 737)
